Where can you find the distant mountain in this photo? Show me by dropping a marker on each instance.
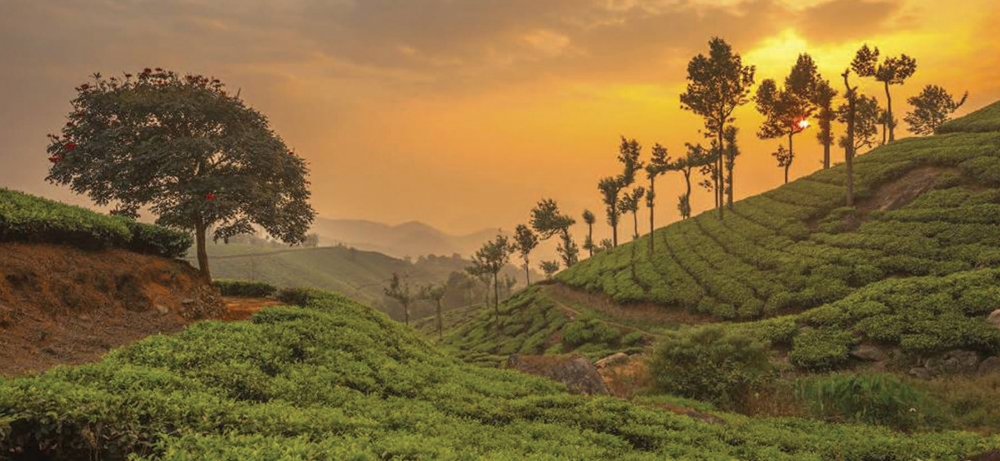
(407, 239)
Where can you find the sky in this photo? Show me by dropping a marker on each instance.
(464, 113)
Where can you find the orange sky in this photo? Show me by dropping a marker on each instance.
(462, 114)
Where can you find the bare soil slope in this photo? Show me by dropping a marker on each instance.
(63, 305)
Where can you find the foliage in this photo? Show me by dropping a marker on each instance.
(932, 107)
(869, 398)
(334, 380)
(711, 364)
(525, 242)
(866, 121)
(195, 155)
(399, 290)
(984, 120)
(244, 289)
(549, 268)
(25, 218)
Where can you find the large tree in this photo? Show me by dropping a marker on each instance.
(399, 290)
(184, 148)
(610, 188)
(891, 71)
(717, 85)
(548, 221)
(659, 163)
(525, 240)
(489, 260)
(590, 220)
(786, 110)
(932, 107)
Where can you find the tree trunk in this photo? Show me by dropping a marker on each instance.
(635, 225)
(527, 273)
(826, 153)
(719, 188)
(496, 299)
(590, 237)
(440, 322)
(614, 234)
(687, 198)
(892, 128)
(652, 198)
(791, 155)
(849, 150)
(199, 236)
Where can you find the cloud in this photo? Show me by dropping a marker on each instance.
(840, 21)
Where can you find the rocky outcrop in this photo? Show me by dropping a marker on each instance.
(612, 360)
(575, 371)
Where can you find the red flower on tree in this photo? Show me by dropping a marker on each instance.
(56, 158)
(209, 196)
(70, 146)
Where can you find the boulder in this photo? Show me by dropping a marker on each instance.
(952, 362)
(920, 373)
(989, 366)
(868, 353)
(162, 309)
(575, 371)
(994, 318)
(612, 360)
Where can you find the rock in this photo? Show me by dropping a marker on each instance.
(959, 361)
(994, 318)
(921, 373)
(162, 309)
(575, 371)
(188, 301)
(612, 360)
(868, 353)
(990, 365)
(85, 317)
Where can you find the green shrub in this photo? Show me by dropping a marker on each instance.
(245, 289)
(633, 339)
(158, 240)
(582, 332)
(295, 296)
(711, 364)
(874, 398)
(821, 348)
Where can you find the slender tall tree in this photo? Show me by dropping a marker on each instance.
(730, 152)
(435, 292)
(848, 115)
(786, 110)
(825, 115)
(659, 163)
(399, 290)
(867, 118)
(630, 204)
(525, 240)
(610, 188)
(548, 221)
(892, 71)
(489, 261)
(696, 157)
(932, 107)
(717, 85)
(589, 219)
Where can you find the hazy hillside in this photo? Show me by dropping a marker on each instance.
(360, 275)
(336, 380)
(408, 239)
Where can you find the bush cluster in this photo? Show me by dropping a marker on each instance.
(245, 289)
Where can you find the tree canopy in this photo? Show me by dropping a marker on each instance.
(891, 71)
(196, 156)
(932, 107)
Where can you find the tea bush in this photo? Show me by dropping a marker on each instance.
(246, 289)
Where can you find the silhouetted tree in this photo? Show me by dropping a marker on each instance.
(490, 260)
(823, 101)
(659, 163)
(730, 152)
(610, 188)
(717, 85)
(184, 148)
(891, 71)
(400, 291)
(589, 219)
(525, 241)
(696, 157)
(435, 292)
(549, 222)
(932, 107)
(630, 204)
(549, 268)
(787, 109)
(867, 117)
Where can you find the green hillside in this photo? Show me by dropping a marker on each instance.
(30, 219)
(359, 275)
(336, 380)
(913, 265)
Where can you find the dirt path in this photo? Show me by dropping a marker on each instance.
(560, 300)
(243, 308)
